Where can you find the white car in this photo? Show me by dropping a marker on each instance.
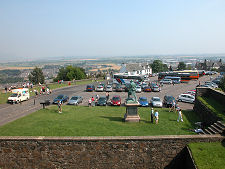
(213, 85)
(108, 88)
(138, 89)
(100, 88)
(166, 81)
(156, 102)
(186, 98)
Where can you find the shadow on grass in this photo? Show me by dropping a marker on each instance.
(113, 118)
(192, 117)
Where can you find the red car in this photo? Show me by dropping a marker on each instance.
(147, 89)
(116, 101)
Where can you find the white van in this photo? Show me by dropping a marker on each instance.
(19, 95)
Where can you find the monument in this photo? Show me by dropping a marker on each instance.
(131, 104)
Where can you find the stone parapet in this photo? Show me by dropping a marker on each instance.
(94, 152)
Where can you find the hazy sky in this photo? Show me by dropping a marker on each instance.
(43, 28)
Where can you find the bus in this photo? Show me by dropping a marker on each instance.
(123, 78)
(185, 75)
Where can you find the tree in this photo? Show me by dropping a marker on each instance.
(181, 66)
(158, 66)
(70, 73)
(36, 76)
(222, 83)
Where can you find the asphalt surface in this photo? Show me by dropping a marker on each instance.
(10, 112)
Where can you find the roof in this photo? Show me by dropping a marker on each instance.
(133, 67)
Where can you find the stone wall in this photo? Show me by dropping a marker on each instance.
(203, 112)
(219, 96)
(94, 152)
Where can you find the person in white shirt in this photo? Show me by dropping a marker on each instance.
(156, 117)
(180, 118)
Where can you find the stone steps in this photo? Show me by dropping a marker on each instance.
(216, 128)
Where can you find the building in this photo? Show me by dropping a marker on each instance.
(136, 69)
(209, 65)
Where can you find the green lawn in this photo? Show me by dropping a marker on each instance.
(214, 106)
(208, 155)
(4, 96)
(97, 121)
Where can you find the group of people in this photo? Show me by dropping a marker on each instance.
(155, 115)
(92, 101)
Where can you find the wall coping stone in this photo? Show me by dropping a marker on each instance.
(109, 138)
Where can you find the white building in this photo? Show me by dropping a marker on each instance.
(136, 69)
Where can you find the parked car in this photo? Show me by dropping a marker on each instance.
(156, 102)
(155, 88)
(101, 101)
(62, 98)
(192, 92)
(75, 100)
(147, 89)
(186, 98)
(168, 101)
(138, 89)
(143, 85)
(119, 88)
(166, 81)
(213, 85)
(143, 101)
(116, 100)
(99, 88)
(108, 88)
(90, 88)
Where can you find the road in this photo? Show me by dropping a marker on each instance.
(10, 113)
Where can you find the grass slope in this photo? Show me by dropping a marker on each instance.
(214, 106)
(208, 155)
(97, 121)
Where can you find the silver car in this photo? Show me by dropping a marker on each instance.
(156, 102)
(108, 88)
(186, 98)
(166, 81)
(75, 100)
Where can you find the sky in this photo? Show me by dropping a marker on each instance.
(108, 28)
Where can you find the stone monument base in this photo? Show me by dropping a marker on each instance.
(131, 114)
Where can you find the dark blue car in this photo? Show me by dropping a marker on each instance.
(143, 101)
(62, 98)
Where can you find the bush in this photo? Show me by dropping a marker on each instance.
(222, 83)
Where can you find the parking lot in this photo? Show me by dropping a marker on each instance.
(174, 90)
(12, 112)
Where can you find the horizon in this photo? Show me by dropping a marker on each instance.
(54, 29)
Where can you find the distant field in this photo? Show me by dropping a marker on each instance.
(15, 68)
(110, 66)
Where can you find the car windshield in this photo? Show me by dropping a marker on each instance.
(108, 86)
(100, 87)
(102, 99)
(170, 98)
(138, 87)
(14, 95)
(60, 97)
(156, 99)
(116, 98)
(74, 98)
(89, 86)
(143, 99)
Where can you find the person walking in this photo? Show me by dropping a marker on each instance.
(180, 118)
(59, 106)
(107, 96)
(152, 115)
(6, 89)
(156, 117)
(89, 102)
(173, 106)
(92, 101)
